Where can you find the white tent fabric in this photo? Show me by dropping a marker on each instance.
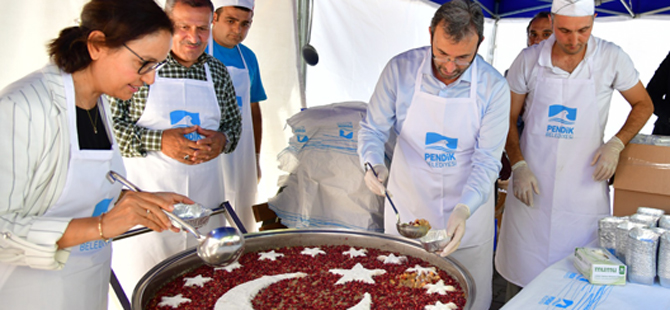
(355, 39)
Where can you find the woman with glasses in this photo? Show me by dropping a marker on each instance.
(58, 210)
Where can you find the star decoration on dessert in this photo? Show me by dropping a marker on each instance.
(440, 306)
(230, 267)
(421, 270)
(197, 281)
(173, 301)
(269, 255)
(312, 252)
(392, 259)
(358, 273)
(439, 288)
(352, 252)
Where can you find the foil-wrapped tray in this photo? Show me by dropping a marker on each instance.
(194, 214)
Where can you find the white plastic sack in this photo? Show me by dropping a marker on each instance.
(325, 187)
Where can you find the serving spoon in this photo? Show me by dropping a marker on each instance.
(405, 229)
(220, 247)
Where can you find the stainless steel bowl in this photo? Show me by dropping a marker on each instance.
(188, 260)
(435, 240)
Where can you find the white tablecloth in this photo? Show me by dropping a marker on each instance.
(561, 286)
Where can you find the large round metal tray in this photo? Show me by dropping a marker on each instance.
(188, 260)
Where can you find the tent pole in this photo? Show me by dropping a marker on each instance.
(492, 46)
(302, 20)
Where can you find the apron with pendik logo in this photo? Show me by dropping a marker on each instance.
(239, 167)
(171, 103)
(432, 162)
(84, 281)
(562, 133)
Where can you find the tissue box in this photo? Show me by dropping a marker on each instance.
(599, 266)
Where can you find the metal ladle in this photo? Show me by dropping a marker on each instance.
(220, 247)
(405, 229)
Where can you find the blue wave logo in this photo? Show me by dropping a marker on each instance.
(562, 114)
(101, 207)
(347, 134)
(181, 118)
(436, 141)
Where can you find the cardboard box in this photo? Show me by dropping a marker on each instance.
(642, 179)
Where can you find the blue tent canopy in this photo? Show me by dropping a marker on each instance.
(498, 9)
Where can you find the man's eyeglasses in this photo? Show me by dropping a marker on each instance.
(147, 66)
(458, 61)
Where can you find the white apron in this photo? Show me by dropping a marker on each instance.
(171, 103)
(84, 281)
(239, 167)
(432, 161)
(562, 134)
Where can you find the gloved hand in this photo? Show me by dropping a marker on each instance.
(607, 157)
(456, 228)
(525, 183)
(376, 183)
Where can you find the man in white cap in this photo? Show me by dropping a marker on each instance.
(241, 169)
(560, 165)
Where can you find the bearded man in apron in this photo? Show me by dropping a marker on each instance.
(172, 133)
(449, 109)
(561, 165)
(241, 168)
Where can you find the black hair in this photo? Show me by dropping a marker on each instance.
(543, 14)
(120, 20)
(461, 18)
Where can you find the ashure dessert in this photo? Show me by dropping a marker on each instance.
(420, 222)
(417, 223)
(324, 277)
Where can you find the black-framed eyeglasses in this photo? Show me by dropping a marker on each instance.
(458, 61)
(147, 66)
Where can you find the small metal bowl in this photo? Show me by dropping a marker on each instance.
(194, 214)
(435, 240)
(411, 231)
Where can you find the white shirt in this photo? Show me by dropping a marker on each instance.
(393, 95)
(613, 70)
(35, 152)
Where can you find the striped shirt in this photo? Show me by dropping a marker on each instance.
(136, 141)
(35, 152)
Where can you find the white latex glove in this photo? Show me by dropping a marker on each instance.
(376, 183)
(607, 157)
(525, 183)
(456, 228)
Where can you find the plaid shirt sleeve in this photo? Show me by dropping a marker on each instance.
(133, 140)
(231, 119)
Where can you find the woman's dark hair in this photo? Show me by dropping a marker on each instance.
(120, 20)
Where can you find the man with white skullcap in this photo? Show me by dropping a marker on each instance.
(241, 169)
(560, 165)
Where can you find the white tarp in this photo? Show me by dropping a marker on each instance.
(355, 39)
